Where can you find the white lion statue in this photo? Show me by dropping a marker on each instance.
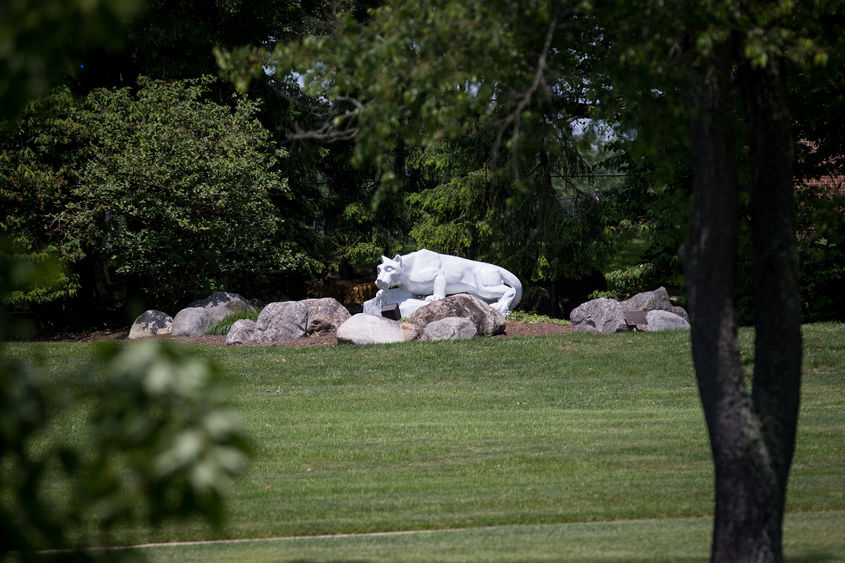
(437, 275)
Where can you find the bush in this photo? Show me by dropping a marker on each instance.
(530, 318)
(626, 282)
(158, 191)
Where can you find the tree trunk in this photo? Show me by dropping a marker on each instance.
(777, 366)
(747, 487)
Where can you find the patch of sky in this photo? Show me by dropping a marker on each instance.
(598, 132)
(598, 129)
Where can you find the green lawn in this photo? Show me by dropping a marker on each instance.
(568, 447)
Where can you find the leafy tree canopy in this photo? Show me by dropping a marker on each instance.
(140, 190)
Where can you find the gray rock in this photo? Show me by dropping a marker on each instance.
(599, 315)
(191, 321)
(281, 321)
(659, 321)
(370, 329)
(222, 304)
(151, 323)
(657, 300)
(450, 328)
(680, 311)
(486, 319)
(324, 314)
(240, 332)
(607, 315)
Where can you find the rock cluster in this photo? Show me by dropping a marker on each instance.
(456, 317)
(485, 319)
(608, 315)
(277, 322)
(193, 320)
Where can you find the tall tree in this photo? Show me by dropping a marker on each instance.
(722, 53)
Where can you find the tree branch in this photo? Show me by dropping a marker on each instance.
(515, 117)
(328, 132)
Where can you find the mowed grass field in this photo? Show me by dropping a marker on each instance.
(566, 447)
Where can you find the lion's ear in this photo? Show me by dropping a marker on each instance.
(384, 258)
(398, 259)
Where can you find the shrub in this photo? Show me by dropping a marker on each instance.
(527, 317)
(626, 282)
(143, 190)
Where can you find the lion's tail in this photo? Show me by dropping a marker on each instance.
(514, 282)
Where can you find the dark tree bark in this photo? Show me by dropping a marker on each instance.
(777, 366)
(752, 435)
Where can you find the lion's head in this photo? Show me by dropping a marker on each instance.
(389, 272)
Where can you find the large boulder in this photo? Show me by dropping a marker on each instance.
(241, 331)
(222, 304)
(657, 300)
(324, 315)
(486, 319)
(370, 329)
(659, 321)
(281, 321)
(450, 328)
(680, 311)
(608, 315)
(191, 321)
(151, 323)
(599, 315)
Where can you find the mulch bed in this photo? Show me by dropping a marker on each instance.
(321, 339)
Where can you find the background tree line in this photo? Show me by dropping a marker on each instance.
(143, 171)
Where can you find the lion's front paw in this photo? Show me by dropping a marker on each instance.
(500, 308)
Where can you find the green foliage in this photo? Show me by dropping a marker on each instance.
(159, 444)
(528, 317)
(38, 165)
(624, 283)
(158, 441)
(455, 217)
(145, 190)
(821, 252)
(543, 229)
(646, 220)
(466, 109)
(41, 278)
(177, 39)
(359, 234)
(162, 425)
(152, 440)
(222, 327)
